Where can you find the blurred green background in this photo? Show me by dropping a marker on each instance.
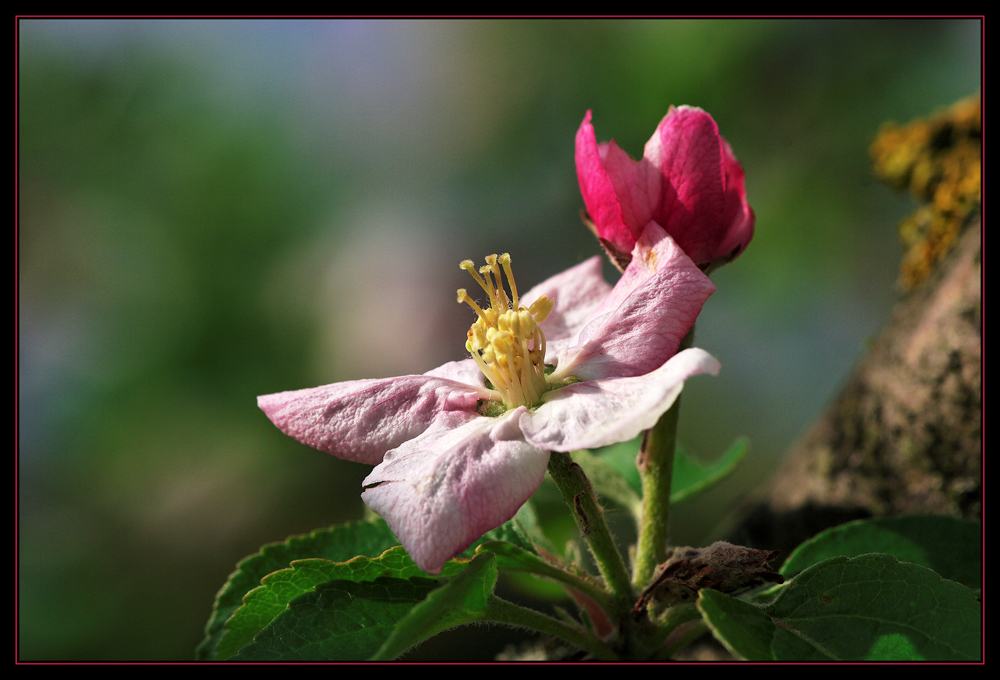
(212, 210)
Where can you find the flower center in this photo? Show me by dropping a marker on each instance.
(505, 341)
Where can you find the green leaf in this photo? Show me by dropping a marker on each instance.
(262, 604)
(950, 546)
(621, 457)
(463, 599)
(609, 481)
(338, 621)
(865, 608)
(338, 544)
(343, 552)
(690, 476)
(512, 559)
(518, 531)
(528, 529)
(745, 629)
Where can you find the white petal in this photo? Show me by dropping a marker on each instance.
(465, 475)
(642, 321)
(597, 413)
(577, 292)
(359, 420)
(464, 371)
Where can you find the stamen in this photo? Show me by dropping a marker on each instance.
(490, 288)
(463, 296)
(468, 266)
(491, 260)
(541, 308)
(515, 383)
(505, 261)
(498, 384)
(506, 342)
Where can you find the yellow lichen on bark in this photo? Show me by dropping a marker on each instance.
(939, 160)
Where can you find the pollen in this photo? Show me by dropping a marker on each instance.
(506, 341)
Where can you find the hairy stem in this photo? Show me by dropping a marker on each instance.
(656, 465)
(582, 501)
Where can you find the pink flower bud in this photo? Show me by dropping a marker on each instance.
(688, 182)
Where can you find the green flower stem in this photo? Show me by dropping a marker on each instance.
(656, 466)
(502, 611)
(580, 497)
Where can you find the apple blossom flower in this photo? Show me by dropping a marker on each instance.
(571, 364)
(688, 181)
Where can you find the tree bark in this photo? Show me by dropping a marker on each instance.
(905, 434)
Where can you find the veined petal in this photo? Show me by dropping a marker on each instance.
(466, 474)
(601, 412)
(688, 151)
(360, 420)
(637, 186)
(598, 191)
(464, 371)
(577, 292)
(739, 215)
(641, 322)
(688, 181)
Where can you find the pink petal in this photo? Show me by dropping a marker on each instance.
(688, 181)
(465, 475)
(591, 414)
(598, 191)
(464, 371)
(688, 151)
(360, 420)
(637, 187)
(641, 322)
(577, 292)
(739, 216)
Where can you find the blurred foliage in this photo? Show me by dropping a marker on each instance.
(146, 221)
(198, 200)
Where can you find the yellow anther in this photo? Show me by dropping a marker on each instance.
(463, 296)
(514, 323)
(500, 338)
(525, 321)
(505, 262)
(477, 334)
(506, 342)
(491, 261)
(468, 266)
(541, 308)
